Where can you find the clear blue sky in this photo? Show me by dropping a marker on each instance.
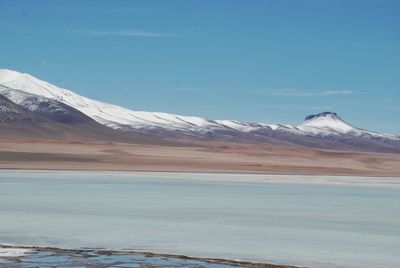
(264, 61)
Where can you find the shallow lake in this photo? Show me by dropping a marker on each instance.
(341, 222)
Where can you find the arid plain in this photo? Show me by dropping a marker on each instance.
(192, 157)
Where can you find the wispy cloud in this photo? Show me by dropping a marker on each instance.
(291, 107)
(11, 26)
(378, 105)
(121, 33)
(186, 89)
(359, 103)
(293, 92)
(318, 108)
(189, 89)
(45, 64)
(392, 44)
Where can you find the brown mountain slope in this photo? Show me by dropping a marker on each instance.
(66, 124)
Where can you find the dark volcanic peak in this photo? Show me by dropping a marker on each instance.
(324, 114)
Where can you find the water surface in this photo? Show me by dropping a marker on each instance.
(205, 215)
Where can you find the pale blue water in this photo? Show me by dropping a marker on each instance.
(318, 225)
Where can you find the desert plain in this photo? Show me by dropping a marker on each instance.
(192, 157)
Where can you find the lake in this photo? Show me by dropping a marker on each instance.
(318, 221)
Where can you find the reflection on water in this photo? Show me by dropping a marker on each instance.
(301, 224)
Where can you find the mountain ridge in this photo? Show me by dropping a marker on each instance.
(324, 129)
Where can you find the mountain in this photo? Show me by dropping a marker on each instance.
(41, 118)
(323, 130)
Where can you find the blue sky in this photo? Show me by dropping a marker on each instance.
(265, 61)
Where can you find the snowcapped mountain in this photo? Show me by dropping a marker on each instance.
(328, 123)
(324, 128)
(104, 113)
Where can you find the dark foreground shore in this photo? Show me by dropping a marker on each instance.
(11, 256)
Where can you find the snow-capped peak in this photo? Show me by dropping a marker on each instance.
(8, 75)
(104, 113)
(326, 121)
(30, 84)
(19, 88)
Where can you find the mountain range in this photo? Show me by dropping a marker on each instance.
(32, 108)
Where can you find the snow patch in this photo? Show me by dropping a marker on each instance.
(14, 252)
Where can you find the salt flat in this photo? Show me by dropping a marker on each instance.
(318, 221)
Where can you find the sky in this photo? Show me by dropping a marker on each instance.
(259, 61)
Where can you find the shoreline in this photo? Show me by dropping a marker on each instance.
(203, 171)
(233, 172)
(238, 177)
(239, 172)
(29, 250)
